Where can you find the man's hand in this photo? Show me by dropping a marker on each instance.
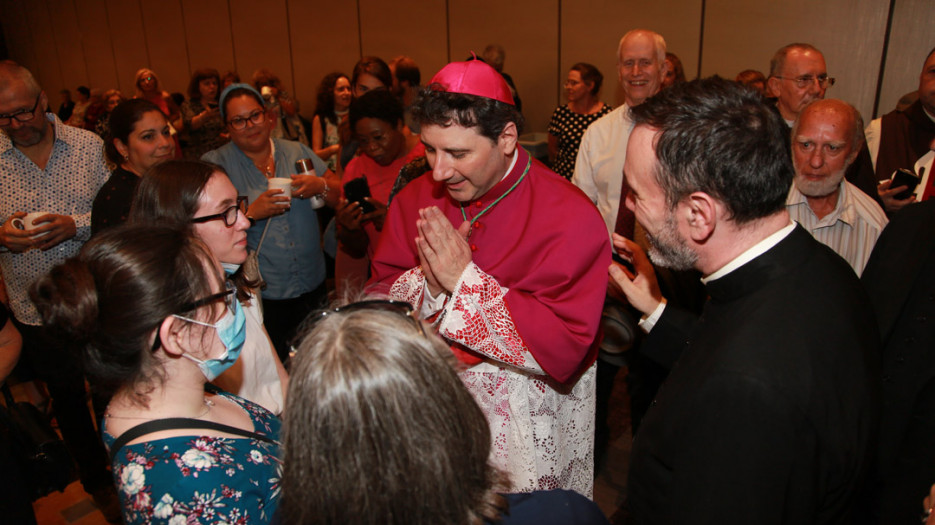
(60, 228)
(641, 290)
(443, 251)
(269, 203)
(888, 196)
(13, 238)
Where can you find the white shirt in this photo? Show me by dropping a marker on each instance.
(852, 227)
(599, 167)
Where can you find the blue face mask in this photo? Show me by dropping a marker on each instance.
(232, 331)
(230, 268)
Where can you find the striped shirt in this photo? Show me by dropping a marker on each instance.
(851, 229)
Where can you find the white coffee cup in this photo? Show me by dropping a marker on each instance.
(29, 222)
(284, 184)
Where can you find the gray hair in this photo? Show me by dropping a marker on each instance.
(658, 42)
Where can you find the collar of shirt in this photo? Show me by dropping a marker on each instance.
(752, 253)
(843, 210)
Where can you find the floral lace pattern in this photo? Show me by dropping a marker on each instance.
(543, 435)
(201, 479)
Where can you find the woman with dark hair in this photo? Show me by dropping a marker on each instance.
(286, 228)
(569, 122)
(151, 306)
(138, 139)
(200, 114)
(333, 101)
(198, 197)
(372, 388)
(675, 73)
(370, 74)
(377, 121)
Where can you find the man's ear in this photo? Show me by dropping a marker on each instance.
(772, 86)
(701, 215)
(508, 139)
(169, 336)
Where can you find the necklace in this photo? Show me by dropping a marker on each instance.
(500, 198)
(268, 167)
(208, 405)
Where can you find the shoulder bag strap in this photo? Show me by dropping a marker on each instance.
(173, 423)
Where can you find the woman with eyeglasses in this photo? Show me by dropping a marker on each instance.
(371, 388)
(138, 139)
(151, 305)
(285, 232)
(569, 122)
(198, 197)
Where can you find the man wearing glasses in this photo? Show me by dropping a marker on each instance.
(56, 171)
(797, 76)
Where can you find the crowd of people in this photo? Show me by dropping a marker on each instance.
(393, 313)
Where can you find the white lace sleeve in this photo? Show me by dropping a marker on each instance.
(410, 287)
(477, 317)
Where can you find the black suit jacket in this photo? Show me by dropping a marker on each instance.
(900, 278)
(769, 411)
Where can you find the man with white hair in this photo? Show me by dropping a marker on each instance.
(826, 137)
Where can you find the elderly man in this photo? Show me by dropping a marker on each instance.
(768, 413)
(905, 139)
(826, 137)
(481, 247)
(641, 67)
(55, 170)
(797, 76)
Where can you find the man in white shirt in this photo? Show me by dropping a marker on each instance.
(826, 137)
(641, 67)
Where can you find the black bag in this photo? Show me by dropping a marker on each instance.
(45, 460)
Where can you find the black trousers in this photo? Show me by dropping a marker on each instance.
(58, 364)
(283, 318)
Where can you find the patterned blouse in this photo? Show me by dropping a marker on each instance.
(201, 479)
(569, 127)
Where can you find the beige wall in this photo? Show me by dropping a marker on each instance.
(101, 43)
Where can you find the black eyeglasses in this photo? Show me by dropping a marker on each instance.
(229, 216)
(22, 116)
(257, 117)
(387, 305)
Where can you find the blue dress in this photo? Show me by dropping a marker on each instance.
(201, 479)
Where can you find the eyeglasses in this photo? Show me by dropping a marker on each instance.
(387, 305)
(229, 216)
(257, 117)
(227, 295)
(804, 81)
(22, 116)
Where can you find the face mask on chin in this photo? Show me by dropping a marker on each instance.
(232, 332)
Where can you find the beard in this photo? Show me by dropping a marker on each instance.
(668, 249)
(818, 188)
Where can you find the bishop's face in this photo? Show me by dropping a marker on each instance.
(468, 163)
(647, 201)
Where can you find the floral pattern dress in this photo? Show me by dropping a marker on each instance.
(201, 479)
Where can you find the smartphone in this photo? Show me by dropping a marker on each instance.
(905, 177)
(355, 191)
(626, 264)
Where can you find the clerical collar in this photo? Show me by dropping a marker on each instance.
(927, 114)
(753, 252)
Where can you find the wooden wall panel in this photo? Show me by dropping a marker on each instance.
(96, 44)
(261, 39)
(165, 38)
(17, 35)
(848, 32)
(48, 71)
(910, 42)
(528, 31)
(208, 34)
(68, 44)
(325, 38)
(129, 40)
(591, 32)
(420, 32)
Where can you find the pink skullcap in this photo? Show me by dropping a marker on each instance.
(474, 77)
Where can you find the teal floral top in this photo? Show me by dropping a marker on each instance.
(201, 479)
